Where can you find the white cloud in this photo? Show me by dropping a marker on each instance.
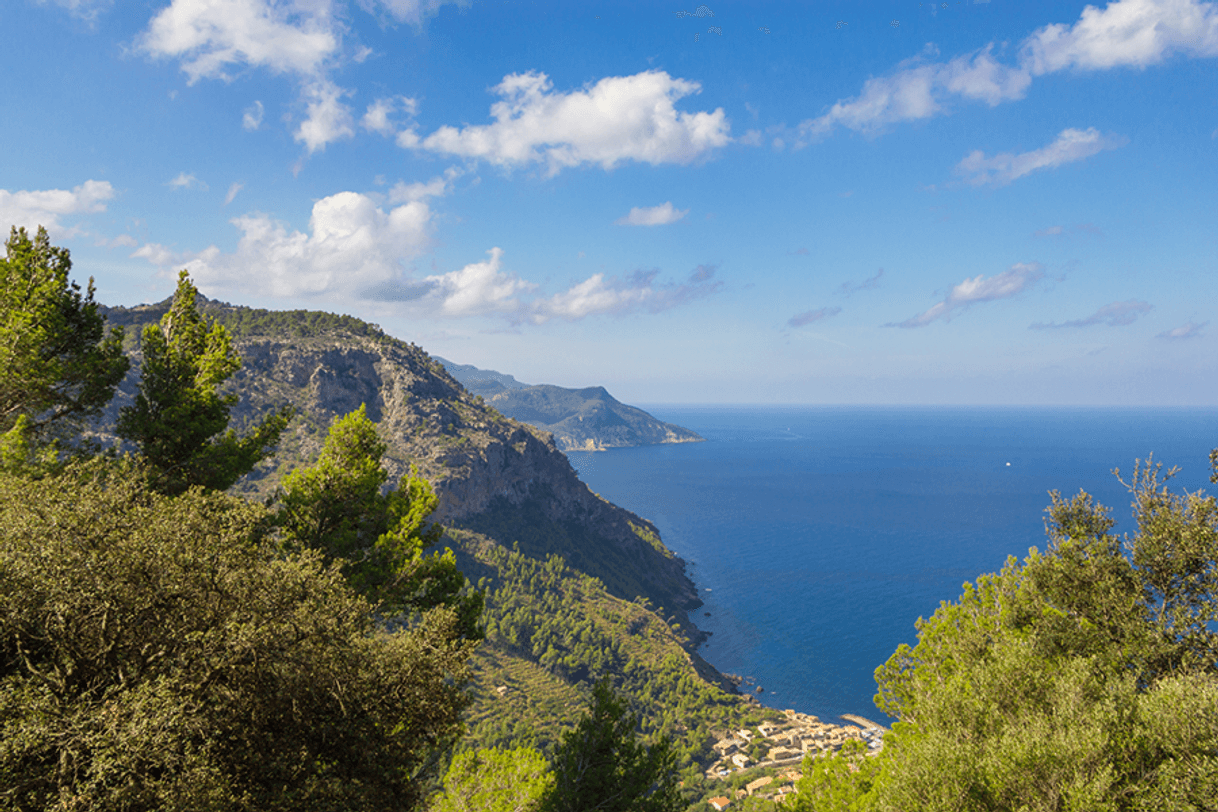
(402, 192)
(251, 119)
(1051, 231)
(328, 119)
(232, 192)
(1071, 145)
(812, 316)
(1117, 314)
(597, 295)
(377, 120)
(1186, 331)
(918, 90)
(415, 12)
(479, 288)
(187, 181)
(620, 118)
(653, 216)
(354, 250)
(212, 36)
(1127, 33)
(1132, 33)
(30, 209)
(979, 289)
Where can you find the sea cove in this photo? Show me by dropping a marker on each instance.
(817, 535)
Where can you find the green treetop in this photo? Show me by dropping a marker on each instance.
(179, 417)
(600, 766)
(57, 365)
(380, 538)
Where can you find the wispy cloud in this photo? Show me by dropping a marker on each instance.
(1186, 331)
(187, 181)
(638, 292)
(1011, 282)
(653, 216)
(1079, 228)
(414, 12)
(870, 282)
(812, 316)
(251, 119)
(1071, 145)
(1117, 314)
(232, 192)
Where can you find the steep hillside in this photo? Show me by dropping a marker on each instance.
(577, 587)
(588, 419)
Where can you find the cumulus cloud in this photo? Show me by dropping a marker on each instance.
(479, 288)
(870, 282)
(1127, 33)
(354, 249)
(33, 208)
(1010, 282)
(211, 37)
(620, 118)
(1186, 331)
(328, 119)
(1117, 314)
(251, 119)
(1071, 145)
(187, 181)
(811, 316)
(415, 12)
(653, 216)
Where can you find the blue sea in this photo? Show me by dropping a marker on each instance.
(818, 535)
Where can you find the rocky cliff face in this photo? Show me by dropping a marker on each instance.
(486, 469)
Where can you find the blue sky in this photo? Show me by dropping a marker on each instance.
(881, 202)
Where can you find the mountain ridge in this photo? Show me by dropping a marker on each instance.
(585, 419)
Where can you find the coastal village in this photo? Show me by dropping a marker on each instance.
(776, 749)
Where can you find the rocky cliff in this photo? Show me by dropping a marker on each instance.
(504, 479)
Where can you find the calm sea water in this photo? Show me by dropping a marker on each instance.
(817, 536)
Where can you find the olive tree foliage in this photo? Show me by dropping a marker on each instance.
(1083, 677)
(495, 780)
(162, 653)
(179, 420)
(58, 366)
(602, 766)
(339, 506)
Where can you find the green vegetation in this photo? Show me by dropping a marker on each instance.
(58, 366)
(337, 506)
(179, 418)
(163, 653)
(167, 645)
(601, 767)
(1085, 677)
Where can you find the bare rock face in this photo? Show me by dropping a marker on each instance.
(477, 460)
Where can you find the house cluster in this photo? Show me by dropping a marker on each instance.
(780, 744)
